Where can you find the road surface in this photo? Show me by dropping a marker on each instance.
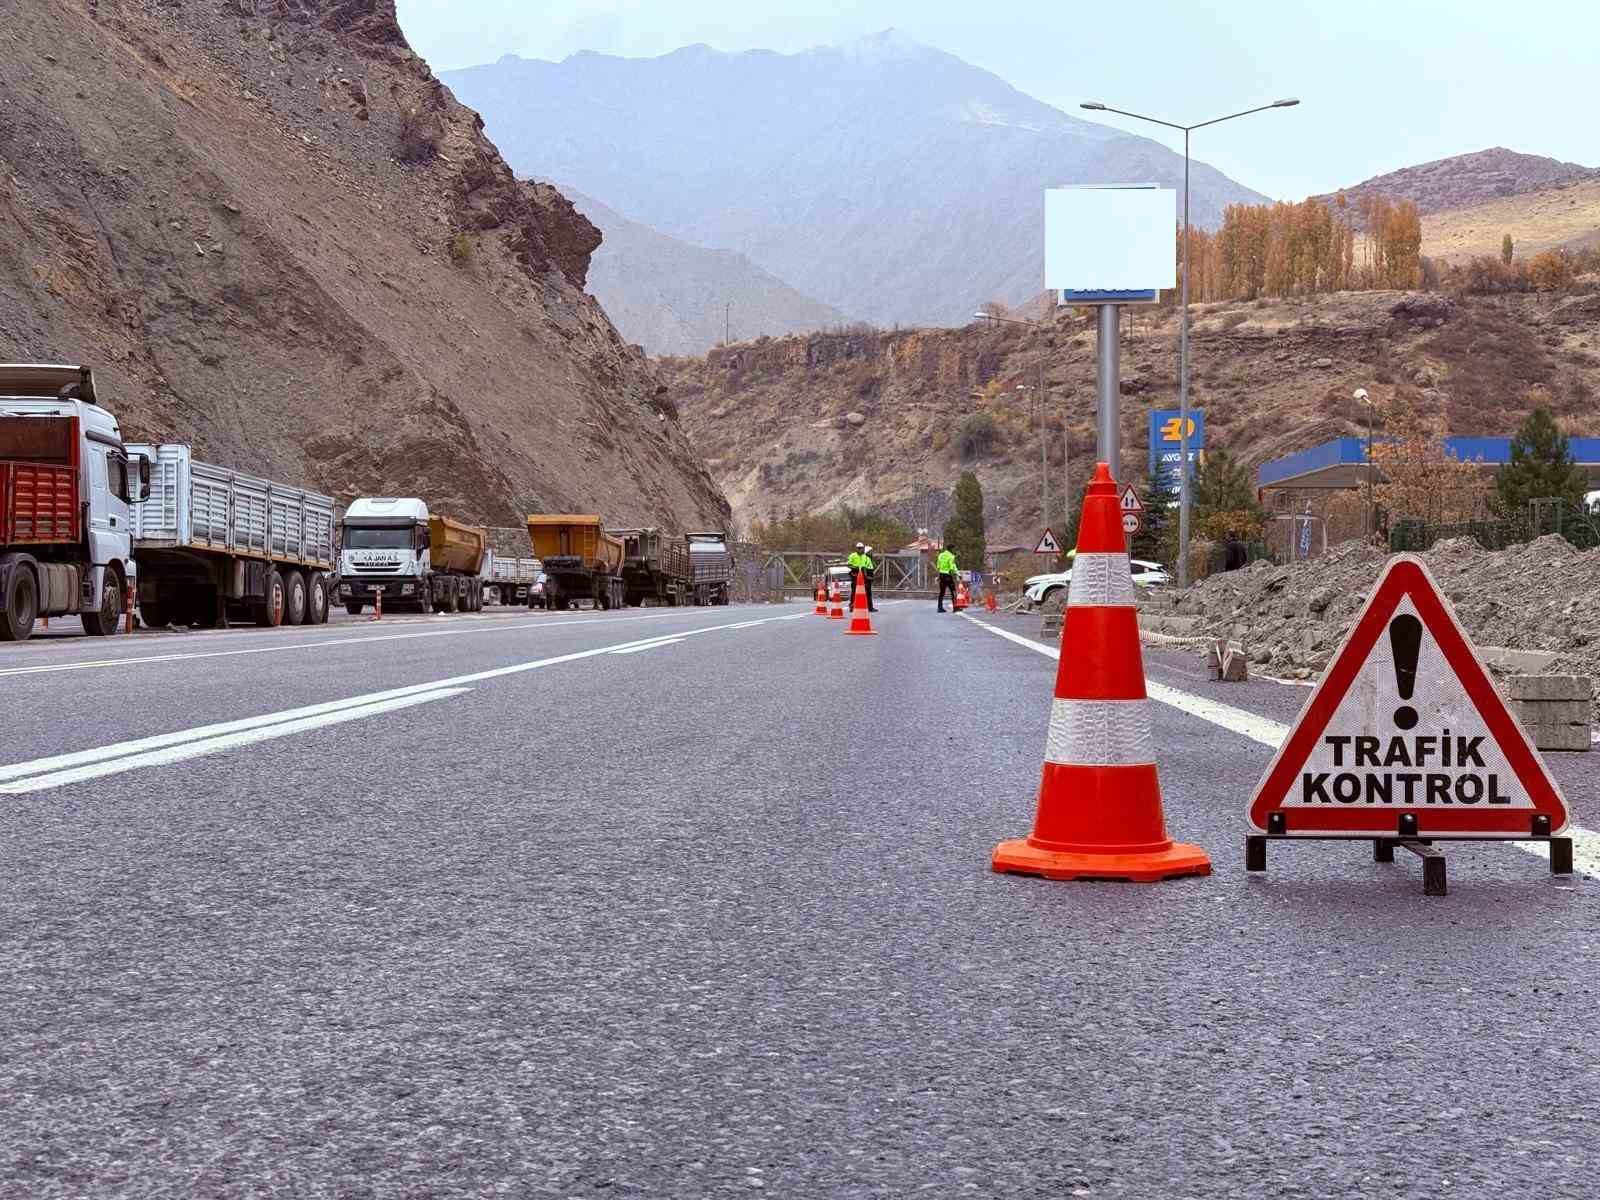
(697, 903)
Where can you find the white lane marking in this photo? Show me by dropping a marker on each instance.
(658, 642)
(1585, 842)
(488, 625)
(215, 745)
(120, 750)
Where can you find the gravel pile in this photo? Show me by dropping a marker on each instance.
(1541, 596)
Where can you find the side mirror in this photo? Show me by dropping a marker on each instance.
(144, 478)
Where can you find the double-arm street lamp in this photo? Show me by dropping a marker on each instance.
(1183, 351)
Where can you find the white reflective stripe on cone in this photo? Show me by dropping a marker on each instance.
(1103, 580)
(1100, 733)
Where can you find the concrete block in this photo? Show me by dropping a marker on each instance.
(1519, 662)
(1227, 661)
(1548, 687)
(1560, 737)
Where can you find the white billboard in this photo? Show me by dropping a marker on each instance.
(1114, 238)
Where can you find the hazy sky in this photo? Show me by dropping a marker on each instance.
(1382, 85)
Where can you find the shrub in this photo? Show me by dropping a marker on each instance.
(461, 247)
(978, 435)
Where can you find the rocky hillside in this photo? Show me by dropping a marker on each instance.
(673, 297)
(277, 236)
(1464, 180)
(1563, 217)
(890, 419)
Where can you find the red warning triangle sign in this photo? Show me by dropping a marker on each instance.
(1048, 544)
(1406, 720)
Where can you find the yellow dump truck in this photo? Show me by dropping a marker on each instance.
(581, 560)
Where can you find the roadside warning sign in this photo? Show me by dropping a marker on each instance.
(1048, 544)
(1129, 501)
(1406, 721)
(1132, 522)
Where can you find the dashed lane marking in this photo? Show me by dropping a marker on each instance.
(1585, 842)
(58, 770)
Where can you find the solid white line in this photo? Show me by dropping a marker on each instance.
(667, 641)
(140, 746)
(215, 745)
(1585, 842)
(485, 625)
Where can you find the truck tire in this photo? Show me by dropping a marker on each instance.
(294, 598)
(448, 602)
(268, 611)
(107, 619)
(22, 605)
(354, 607)
(317, 600)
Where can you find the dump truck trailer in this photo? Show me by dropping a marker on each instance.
(711, 567)
(581, 560)
(67, 483)
(214, 545)
(655, 567)
(393, 546)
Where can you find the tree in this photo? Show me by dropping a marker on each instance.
(1151, 542)
(1222, 484)
(1541, 467)
(1550, 271)
(963, 532)
(1420, 479)
(1507, 249)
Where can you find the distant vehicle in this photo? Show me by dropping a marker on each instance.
(417, 559)
(655, 567)
(1591, 502)
(507, 580)
(581, 560)
(67, 486)
(1145, 574)
(711, 566)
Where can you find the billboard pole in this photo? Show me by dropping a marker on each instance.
(1108, 430)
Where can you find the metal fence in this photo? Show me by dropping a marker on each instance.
(1578, 525)
(795, 572)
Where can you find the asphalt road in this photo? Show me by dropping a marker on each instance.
(697, 903)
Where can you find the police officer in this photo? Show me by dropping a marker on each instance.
(946, 565)
(866, 553)
(857, 562)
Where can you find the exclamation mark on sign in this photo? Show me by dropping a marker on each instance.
(1405, 639)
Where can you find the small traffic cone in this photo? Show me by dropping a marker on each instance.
(1099, 814)
(860, 619)
(989, 601)
(963, 595)
(822, 600)
(836, 613)
(377, 604)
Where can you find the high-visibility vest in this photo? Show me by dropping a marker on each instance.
(947, 563)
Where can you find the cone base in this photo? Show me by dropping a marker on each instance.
(1019, 857)
(861, 632)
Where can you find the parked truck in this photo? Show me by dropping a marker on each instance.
(581, 560)
(67, 484)
(655, 567)
(508, 580)
(214, 545)
(416, 559)
(711, 567)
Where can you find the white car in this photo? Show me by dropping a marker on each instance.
(1145, 574)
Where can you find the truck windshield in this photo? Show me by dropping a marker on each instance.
(377, 537)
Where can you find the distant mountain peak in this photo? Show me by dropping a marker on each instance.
(885, 45)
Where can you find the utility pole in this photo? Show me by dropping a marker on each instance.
(1044, 452)
(727, 324)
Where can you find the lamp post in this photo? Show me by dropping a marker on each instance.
(1183, 337)
(1044, 459)
(1360, 396)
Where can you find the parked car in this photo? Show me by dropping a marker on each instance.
(1145, 574)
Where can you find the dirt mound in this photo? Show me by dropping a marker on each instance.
(277, 236)
(1291, 619)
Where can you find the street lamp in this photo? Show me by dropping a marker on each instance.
(1044, 461)
(1183, 340)
(1360, 396)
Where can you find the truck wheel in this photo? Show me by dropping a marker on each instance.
(294, 598)
(269, 611)
(22, 605)
(354, 607)
(448, 603)
(108, 618)
(317, 600)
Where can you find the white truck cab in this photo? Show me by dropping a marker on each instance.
(383, 544)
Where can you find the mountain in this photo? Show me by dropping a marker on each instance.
(889, 419)
(672, 297)
(276, 236)
(1465, 180)
(884, 177)
(1563, 217)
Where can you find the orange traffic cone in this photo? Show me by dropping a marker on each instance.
(989, 601)
(377, 604)
(822, 600)
(963, 595)
(1099, 814)
(860, 620)
(836, 613)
